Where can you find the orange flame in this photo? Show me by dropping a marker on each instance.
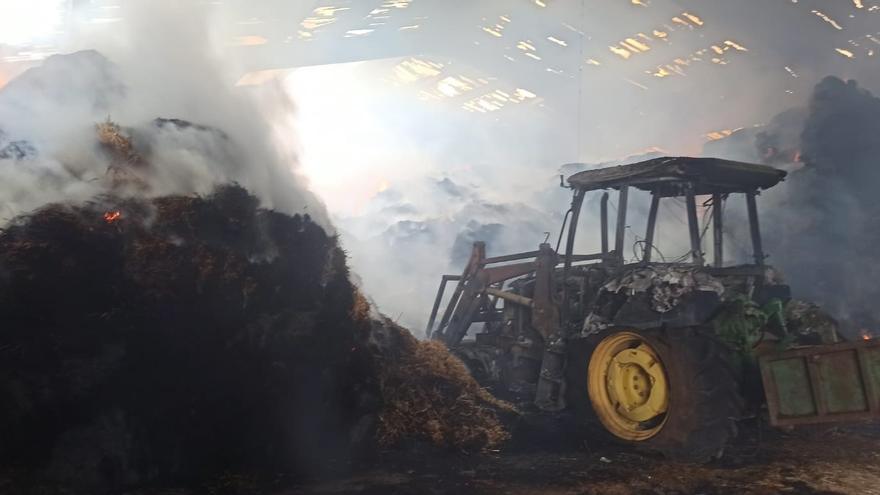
(866, 335)
(112, 216)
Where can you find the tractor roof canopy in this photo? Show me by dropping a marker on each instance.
(668, 176)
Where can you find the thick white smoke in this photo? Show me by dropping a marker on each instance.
(160, 61)
(446, 177)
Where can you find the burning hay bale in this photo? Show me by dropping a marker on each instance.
(174, 337)
(184, 336)
(429, 395)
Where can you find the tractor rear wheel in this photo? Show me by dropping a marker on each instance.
(672, 390)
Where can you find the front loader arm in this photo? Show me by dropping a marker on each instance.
(471, 301)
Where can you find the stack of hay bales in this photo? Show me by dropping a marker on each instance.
(179, 337)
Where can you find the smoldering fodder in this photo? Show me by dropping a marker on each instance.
(430, 396)
(156, 339)
(820, 225)
(172, 339)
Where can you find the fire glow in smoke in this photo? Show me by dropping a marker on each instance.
(112, 216)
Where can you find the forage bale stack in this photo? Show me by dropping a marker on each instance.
(184, 336)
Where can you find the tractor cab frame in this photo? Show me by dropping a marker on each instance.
(480, 285)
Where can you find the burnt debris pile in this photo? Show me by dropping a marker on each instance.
(183, 336)
(173, 336)
(430, 396)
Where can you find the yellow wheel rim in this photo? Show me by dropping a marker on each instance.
(628, 387)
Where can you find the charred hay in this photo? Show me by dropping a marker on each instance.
(183, 336)
(429, 395)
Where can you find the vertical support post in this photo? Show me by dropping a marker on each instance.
(694, 225)
(718, 229)
(478, 255)
(757, 248)
(621, 223)
(603, 214)
(546, 320)
(576, 203)
(446, 278)
(652, 226)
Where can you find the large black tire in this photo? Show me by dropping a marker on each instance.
(704, 398)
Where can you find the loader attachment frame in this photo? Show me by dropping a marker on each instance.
(480, 286)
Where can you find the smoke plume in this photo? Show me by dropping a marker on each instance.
(820, 225)
(48, 149)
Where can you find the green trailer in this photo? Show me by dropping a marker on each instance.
(822, 384)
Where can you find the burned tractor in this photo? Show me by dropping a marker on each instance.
(663, 353)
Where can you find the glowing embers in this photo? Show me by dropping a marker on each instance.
(641, 42)
(112, 217)
(717, 54)
(498, 99)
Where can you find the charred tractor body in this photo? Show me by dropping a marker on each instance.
(660, 353)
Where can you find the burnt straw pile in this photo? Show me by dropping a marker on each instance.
(180, 337)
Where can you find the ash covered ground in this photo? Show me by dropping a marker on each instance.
(826, 461)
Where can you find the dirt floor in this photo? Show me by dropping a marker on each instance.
(816, 461)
